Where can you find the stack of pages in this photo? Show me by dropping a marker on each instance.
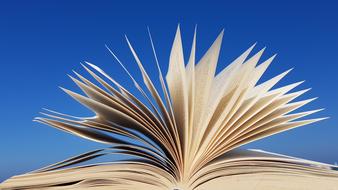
(185, 132)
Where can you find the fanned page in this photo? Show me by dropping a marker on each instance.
(185, 134)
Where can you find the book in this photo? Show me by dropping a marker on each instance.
(184, 133)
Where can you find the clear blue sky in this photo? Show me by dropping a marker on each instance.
(41, 42)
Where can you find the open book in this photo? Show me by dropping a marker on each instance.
(185, 133)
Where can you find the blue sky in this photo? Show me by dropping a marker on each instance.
(41, 42)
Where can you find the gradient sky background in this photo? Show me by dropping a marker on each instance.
(41, 42)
